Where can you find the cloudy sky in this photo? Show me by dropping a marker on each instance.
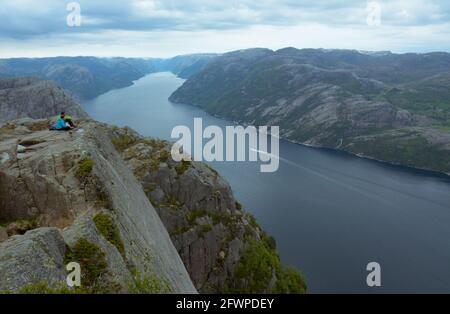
(162, 28)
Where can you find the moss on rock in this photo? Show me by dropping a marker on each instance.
(106, 226)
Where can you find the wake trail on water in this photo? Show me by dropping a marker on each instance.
(385, 187)
(326, 178)
(354, 187)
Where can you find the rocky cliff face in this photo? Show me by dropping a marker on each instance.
(213, 234)
(68, 196)
(34, 98)
(117, 204)
(387, 106)
(87, 197)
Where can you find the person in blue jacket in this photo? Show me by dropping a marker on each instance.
(60, 124)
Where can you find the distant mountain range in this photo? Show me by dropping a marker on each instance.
(391, 107)
(87, 77)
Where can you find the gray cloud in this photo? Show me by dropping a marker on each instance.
(23, 19)
(45, 20)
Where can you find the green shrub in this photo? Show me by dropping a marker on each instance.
(205, 229)
(123, 142)
(225, 218)
(85, 167)
(155, 143)
(106, 226)
(194, 214)
(270, 241)
(154, 164)
(93, 265)
(289, 280)
(171, 202)
(255, 270)
(164, 155)
(43, 288)
(182, 166)
(252, 220)
(149, 284)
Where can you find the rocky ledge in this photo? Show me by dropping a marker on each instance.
(134, 219)
(68, 196)
(222, 246)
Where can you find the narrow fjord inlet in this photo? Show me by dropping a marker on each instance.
(331, 213)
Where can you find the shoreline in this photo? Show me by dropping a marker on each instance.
(365, 157)
(338, 150)
(436, 173)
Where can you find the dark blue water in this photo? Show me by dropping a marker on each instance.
(331, 213)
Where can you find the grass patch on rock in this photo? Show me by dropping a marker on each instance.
(122, 142)
(85, 167)
(94, 268)
(106, 226)
(44, 288)
(182, 166)
(148, 284)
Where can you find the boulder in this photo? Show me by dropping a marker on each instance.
(37, 256)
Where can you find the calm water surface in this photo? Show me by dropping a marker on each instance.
(331, 213)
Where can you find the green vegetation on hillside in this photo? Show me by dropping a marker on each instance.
(259, 266)
(408, 149)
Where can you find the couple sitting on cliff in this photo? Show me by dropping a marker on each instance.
(63, 123)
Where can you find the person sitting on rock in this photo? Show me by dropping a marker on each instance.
(61, 124)
(69, 120)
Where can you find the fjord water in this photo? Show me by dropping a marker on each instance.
(331, 213)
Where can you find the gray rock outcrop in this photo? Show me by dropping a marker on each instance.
(207, 225)
(34, 98)
(34, 257)
(63, 180)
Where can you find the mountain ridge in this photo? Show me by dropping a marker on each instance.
(383, 106)
(34, 98)
(87, 77)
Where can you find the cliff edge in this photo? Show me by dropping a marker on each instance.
(68, 196)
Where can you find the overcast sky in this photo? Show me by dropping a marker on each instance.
(163, 28)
